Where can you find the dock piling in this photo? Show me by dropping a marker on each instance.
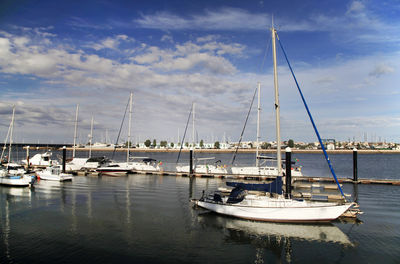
(355, 176)
(64, 158)
(288, 172)
(191, 162)
(27, 158)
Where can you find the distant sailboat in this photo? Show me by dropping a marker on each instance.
(76, 163)
(259, 169)
(273, 206)
(210, 167)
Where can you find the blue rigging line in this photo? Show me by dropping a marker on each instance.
(312, 121)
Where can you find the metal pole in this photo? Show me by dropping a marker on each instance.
(27, 158)
(258, 123)
(76, 128)
(64, 158)
(355, 176)
(277, 107)
(11, 136)
(193, 130)
(129, 127)
(191, 162)
(91, 137)
(288, 172)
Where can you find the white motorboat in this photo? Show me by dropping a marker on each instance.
(274, 205)
(75, 164)
(41, 159)
(146, 164)
(53, 173)
(95, 162)
(115, 169)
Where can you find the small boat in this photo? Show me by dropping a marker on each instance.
(53, 173)
(75, 164)
(146, 164)
(95, 162)
(115, 169)
(16, 180)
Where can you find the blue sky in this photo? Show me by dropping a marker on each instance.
(56, 54)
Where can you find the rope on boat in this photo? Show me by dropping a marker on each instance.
(184, 134)
(119, 133)
(312, 120)
(244, 127)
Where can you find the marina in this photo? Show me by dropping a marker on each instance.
(202, 132)
(129, 218)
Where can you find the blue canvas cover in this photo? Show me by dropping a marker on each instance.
(272, 187)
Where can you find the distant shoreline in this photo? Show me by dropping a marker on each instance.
(347, 151)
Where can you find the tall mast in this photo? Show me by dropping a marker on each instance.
(11, 135)
(258, 123)
(90, 138)
(193, 132)
(277, 107)
(129, 126)
(5, 141)
(76, 129)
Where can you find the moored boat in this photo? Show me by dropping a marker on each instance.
(53, 173)
(272, 204)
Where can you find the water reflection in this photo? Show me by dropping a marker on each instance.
(6, 230)
(17, 193)
(355, 193)
(243, 228)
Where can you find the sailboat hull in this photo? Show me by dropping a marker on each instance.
(15, 180)
(278, 210)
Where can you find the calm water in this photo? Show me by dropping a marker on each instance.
(148, 219)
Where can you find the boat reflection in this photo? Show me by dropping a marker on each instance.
(243, 229)
(15, 191)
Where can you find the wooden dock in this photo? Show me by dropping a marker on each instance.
(264, 178)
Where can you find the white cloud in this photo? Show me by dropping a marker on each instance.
(110, 43)
(167, 38)
(171, 78)
(355, 7)
(380, 70)
(222, 19)
(357, 23)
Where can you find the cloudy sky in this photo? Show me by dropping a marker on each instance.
(57, 54)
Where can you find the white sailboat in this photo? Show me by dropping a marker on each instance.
(76, 163)
(273, 206)
(260, 170)
(206, 168)
(122, 168)
(13, 174)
